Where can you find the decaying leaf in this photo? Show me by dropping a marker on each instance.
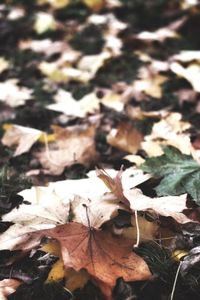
(20, 136)
(168, 131)
(42, 208)
(66, 104)
(7, 287)
(98, 210)
(180, 172)
(190, 73)
(12, 94)
(126, 138)
(57, 4)
(73, 145)
(19, 237)
(44, 22)
(169, 206)
(45, 46)
(4, 64)
(104, 256)
(95, 5)
(149, 82)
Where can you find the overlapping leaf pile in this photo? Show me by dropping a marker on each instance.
(99, 112)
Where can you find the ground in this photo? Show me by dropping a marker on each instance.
(100, 139)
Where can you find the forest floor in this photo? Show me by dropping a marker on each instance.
(100, 149)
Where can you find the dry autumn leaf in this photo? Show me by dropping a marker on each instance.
(104, 256)
(20, 136)
(168, 131)
(12, 94)
(126, 138)
(72, 145)
(169, 206)
(66, 104)
(7, 287)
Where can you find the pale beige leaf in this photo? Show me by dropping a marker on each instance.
(44, 22)
(66, 104)
(95, 211)
(4, 64)
(7, 287)
(190, 73)
(168, 206)
(22, 137)
(46, 46)
(73, 145)
(168, 131)
(12, 94)
(42, 209)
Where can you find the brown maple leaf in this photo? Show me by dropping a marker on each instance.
(104, 256)
(114, 184)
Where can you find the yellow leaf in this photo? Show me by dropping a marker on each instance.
(57, 272)
(47, 138)
(75, 280)
(179, 254)
(52, 247)
(59, 3)
(95, 5)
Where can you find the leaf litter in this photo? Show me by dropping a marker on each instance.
(99, 112)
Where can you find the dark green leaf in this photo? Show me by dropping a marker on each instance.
(180, 172)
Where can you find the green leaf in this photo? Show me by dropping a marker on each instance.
(180, 172)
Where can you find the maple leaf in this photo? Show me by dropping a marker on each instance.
(44, 209)
(122, 181)
(23, 137)
(7, 287)
(180, 172)
(104, 256)
(12, 94)
(126, 138)
(75, 144)
(169, 206)
(168, 131)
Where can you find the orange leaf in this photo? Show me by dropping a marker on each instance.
(104, 256)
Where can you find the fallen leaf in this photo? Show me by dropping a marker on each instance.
(168, 131)
(163, 33)
(149, 83)
(22, 137)
(187, 56)
(44, 22)
(185, 4)
(180, 173)
(46, 46)
(4, 64)
(7, 287)
(57, 4)
(66, 104)
(104, 256)
(125, 137)
(73, 145)
(122, 181)
(169, 206)
(190, 73)
(42, 208)
(95, 5)
(12, 94)
(99, 210)
(148, 230)
(90, 64)
(136, 159)
(18, 237)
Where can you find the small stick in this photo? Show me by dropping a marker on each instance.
(137, 230)
(175, 281)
